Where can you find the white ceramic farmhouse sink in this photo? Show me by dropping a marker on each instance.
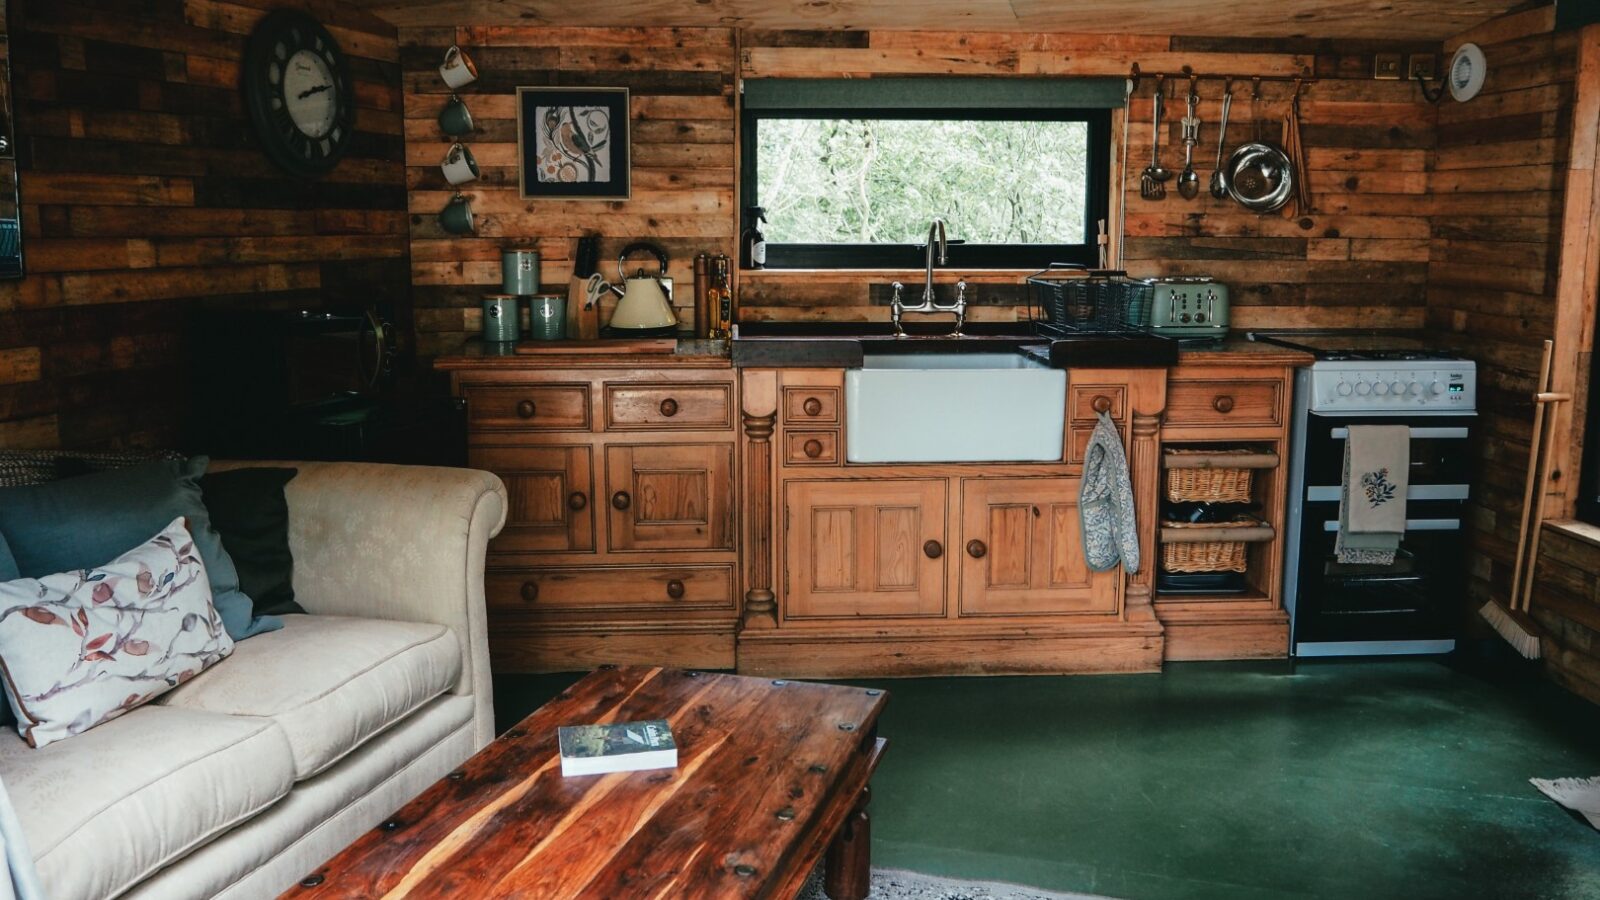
(954, 407)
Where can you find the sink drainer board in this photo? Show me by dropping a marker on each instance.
(954, 407)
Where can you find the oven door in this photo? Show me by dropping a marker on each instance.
(1439, 456)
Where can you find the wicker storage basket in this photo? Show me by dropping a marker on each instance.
(1206, 556)
(1190, 481)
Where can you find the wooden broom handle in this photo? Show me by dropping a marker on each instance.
(1532, 494)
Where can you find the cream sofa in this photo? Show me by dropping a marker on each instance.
(241, 782)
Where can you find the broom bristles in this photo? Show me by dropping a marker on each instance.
(1521, 639)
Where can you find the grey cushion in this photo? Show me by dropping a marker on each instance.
(79, 523)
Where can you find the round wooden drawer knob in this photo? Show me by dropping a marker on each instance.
(576, 501)
(1223, 404)
(1102, 403)
(932, 549)
(669, 407)
(526, 409)
(530, 591)
(812, 448)
(675, 589)
(812, 406)
(621, 500)
(976, 549)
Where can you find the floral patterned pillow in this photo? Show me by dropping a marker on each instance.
(81, 648)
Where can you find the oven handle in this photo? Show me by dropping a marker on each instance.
(1340, 434)
(1411, 525)
(1328, 493)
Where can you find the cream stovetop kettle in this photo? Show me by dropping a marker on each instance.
(646, 304)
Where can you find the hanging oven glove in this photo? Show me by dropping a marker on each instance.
(1105, 502)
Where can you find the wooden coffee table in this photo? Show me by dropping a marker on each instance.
(771, 774)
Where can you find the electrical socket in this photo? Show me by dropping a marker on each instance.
(1386, 66)
(1422, 65)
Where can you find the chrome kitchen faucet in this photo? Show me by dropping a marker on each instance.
(936, 239)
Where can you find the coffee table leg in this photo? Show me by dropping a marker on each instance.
(848, 871)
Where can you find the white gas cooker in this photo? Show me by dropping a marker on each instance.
(1381, 374)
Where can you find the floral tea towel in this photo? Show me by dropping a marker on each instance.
(1372, 503)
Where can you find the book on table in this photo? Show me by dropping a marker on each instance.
(623, 747)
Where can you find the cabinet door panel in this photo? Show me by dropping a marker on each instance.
(550, 491)
(861, 548)
(670, 496)
(1022, 550)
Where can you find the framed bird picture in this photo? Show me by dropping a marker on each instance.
(572, 143)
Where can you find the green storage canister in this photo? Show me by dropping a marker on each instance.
(548, 319)
(501, 318)
(519, 272)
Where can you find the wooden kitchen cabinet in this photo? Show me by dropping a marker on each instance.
(1021, 550)
(621, 542)
(669, 496)
(857, 549)
(551, 493)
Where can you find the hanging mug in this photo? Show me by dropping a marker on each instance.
(455, 119)
(456, 217)
(459, 167)
(458, 70)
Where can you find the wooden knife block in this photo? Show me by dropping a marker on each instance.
(582, 324)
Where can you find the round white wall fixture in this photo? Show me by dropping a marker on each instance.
(1467, 71)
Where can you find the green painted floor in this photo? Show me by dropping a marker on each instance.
(1359, 779)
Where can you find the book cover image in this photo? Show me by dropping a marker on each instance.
(623, 747)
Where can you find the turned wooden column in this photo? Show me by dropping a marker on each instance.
(760, 418)
(847, 868)
(1144, 464)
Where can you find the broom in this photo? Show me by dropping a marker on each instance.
(1512, 621)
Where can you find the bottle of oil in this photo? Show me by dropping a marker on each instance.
(721, 297)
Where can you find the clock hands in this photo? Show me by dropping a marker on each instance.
(316, 90)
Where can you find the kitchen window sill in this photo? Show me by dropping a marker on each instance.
(1583, 531)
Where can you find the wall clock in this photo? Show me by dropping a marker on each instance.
(298, 94)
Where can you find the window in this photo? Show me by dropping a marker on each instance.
(1020, 179)
(1589, 476)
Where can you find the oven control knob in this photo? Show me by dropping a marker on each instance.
(1363, 388)
(1436, 389)
(1380, 388)
(1344, 389)
(1396, 388)
(1413, 389)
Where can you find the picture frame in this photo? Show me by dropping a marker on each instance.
(573, 143)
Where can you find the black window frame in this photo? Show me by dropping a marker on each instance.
(961, 255)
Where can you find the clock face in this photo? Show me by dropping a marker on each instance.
(309, 94)
(297, 91)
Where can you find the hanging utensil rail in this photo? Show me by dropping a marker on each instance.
(1135, 74)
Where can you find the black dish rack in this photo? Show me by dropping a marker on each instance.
(1066, 298)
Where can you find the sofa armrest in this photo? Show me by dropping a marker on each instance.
(399, 542)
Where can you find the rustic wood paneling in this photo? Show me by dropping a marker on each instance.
(1497, 189)
(144, 197)
(1566, 604)
(681, 85)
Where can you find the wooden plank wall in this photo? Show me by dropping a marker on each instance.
(1360, 260)
(681, 84)
(144, 197)
(1497, 188)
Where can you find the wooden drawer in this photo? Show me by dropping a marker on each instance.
(621, 587)
(544, 407)
(808, 405)
(1237, 403)
(685, 406)
(1085, 398)
(811, 448)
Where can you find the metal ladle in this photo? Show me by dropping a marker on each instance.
(1219, 176)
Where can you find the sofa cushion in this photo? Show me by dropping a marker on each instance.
(84, 521)
(249, 510)
(106, 809)
(330, 682)
(88, 646)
